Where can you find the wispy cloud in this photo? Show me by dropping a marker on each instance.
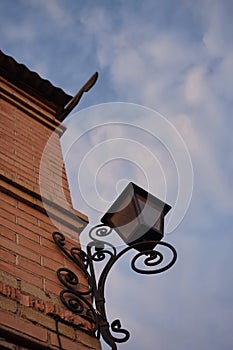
(54, 10)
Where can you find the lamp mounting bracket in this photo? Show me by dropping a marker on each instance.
(89, 303)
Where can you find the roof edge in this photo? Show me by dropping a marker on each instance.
(31, 82)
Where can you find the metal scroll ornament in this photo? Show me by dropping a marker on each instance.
(89, 303)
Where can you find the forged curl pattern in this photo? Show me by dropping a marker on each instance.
(99, 251)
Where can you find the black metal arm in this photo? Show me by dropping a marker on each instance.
(90, 303)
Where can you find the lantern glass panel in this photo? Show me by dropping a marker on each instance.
(137, 216)
(150, 212)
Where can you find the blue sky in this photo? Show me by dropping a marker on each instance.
(174, 57)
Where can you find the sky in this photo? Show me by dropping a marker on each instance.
(173, 58)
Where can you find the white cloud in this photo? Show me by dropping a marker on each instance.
(54, 9)
(179, 76)
(214, 181)
(176, 76)
(195, 86)
(221, 78)
(129, 63)
(218, 35)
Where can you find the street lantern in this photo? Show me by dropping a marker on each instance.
(138, 217)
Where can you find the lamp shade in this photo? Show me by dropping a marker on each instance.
(138, 217)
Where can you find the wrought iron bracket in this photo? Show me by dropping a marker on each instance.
(90, 303)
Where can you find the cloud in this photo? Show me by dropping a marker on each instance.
(147, 144)
(53, 9)
(195, 86)
(206, 164)
(219, 31)
(180, 76)
(190, 82)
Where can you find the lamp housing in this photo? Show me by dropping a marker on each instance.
(137, 217)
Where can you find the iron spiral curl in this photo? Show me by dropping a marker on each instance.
(100, 231)
(153, 258)
(79, 305)
(116, 327)
(102, 248)
(72, 301)
(153, 261)
(70, 280)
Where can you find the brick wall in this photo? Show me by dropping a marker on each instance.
(29, 289)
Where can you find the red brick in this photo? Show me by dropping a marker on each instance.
(67, 344)
(52, 277)
(8, 199)
(27, 250)
(27, 216)
(7, 146)
(31, 126)
(25, 138)
(82, 285)
(37, 269)
(7, 214)
(8, 224)
(22, 164)
(7, 109)
(7, 256)
(28, 210)
(24, 300)
(5, 159)
(34, 247)
(52, 287)
(28, 177)
(10, 228)
(28, 234)
(14, 158)
(21, 274)
(20, 325)
(41, 232)
(19, 249)
(8, 131)
(48, 242)
(27, 224)
(46, 238)
(52, 265)
(21, 148)
(23, 134)
(7, 233)
(24, 154)
(50, 174)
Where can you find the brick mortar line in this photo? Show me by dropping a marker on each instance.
(19, 339)
(48, 308)
(79, 217)
(19, 102)
(57, 129)
(11, 86)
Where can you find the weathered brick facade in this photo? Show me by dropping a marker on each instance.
(29, 289)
